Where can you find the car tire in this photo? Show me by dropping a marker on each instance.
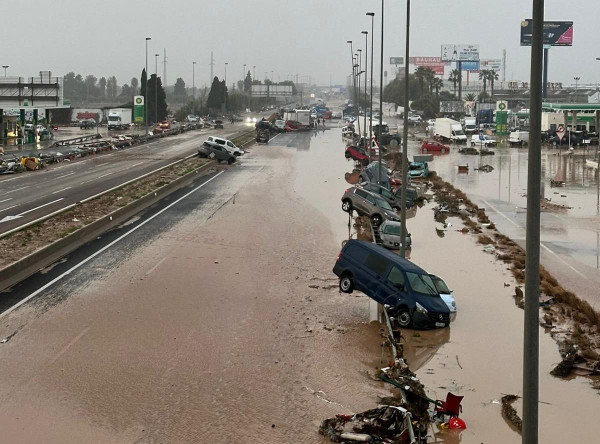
(376, 220)
(394, 142)
(424, 150)
(361, 179)
(347, 205)
(404, 318)
(231, 160)
(347, 154)
(346, 284)
(443, 151)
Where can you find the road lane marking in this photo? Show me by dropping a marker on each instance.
(104, 175)
(136, 164)
(17, 189)
(64, 189)
(41, 206)
(106, 247)
(8, 180)
(69, 345)
(65, 175)
(8, 208)
(6, 200)
(501, 214)
(563, 261)
(156, 266)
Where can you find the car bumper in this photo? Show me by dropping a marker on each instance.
(431, 320)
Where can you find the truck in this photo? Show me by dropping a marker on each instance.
(448, 129)
(470, 125)
(119, 118)
(386, 137)
(303, 116)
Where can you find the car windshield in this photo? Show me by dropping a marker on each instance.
(114, 117)
(392, 229)
(383, 204)
(440, 285)
(415, 166)
(421, 283)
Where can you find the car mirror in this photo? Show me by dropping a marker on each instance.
(451, 291)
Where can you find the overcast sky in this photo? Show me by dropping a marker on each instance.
(305, 37)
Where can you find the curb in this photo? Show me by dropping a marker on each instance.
(29, 265)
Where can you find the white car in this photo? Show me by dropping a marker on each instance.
(227, 144)
(431, 122)
(446, 295)
(487, 141)
(413, 118)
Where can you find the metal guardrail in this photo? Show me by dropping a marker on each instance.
(76, 140)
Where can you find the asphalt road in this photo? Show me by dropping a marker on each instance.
(29, 196)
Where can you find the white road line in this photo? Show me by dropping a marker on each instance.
(8, 180)
(41, 206)
(65, 175)
(136, 164)
(501, 214)
(69, 345)
(64, 189)
(8, 208)
(563, 261)
(6, 200)
(17, 189)
(106, 247)
(156, 266)
(104, 175)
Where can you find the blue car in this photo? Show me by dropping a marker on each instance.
(418, 169)
(389, 279)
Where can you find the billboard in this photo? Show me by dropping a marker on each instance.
(470, 66)
(452, 106)
(396, 60)
(555, 33)
(138, 109)
(435, 63)
(491, 64)
(455, 53)
(271, 90)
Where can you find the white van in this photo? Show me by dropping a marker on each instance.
(227, 144)
(519, 138)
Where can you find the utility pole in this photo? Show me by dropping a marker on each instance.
(405, 139)
(156, 88)
(146, 86)
(531, 343)
(212, 65)
(193, 80)
(366, 73)
(504, 65)
(381, 96)
(165, 67)
(372, 15)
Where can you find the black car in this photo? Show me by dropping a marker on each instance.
(87, 124)
(394, 199)
(217, 124)
(215, 151)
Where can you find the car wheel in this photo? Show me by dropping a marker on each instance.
(404, 318)
(346, 284)
(424, 150)
(347, 154)
(361, 179)
(347, 205)
(394, 142)
(376, 220)
(443, 151)
(231, 160)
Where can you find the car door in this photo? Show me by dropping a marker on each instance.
(370, 277)
(392, 290)
(371, 205)
(359, 202)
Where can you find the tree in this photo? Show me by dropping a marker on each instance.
(420, 74)
(143, 81)
(493, 76)
(248, 82)
(102, 86)
(126, 92)
(90, 85)
(179, 90)
(156, 100)
(134, 85)
(429, 75)
(455, 77)
(470, 97)
(217, 95)
(437, 84)
(484, 75)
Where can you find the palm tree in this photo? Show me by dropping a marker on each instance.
(454, 78)
(420, 74)
(492, 76)
(484, 75)
(470, 97)
(429, 75)
(437, 83)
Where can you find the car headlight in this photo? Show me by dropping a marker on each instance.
(248, 119)
(421, 309)
(254, 120)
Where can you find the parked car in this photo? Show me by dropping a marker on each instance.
(358, 154)
(487, 141)
(391, 280)
(418, 169)
(368, 204)
(429, 146)
(217, 123)
(386, 193)
(87, 124)
(213, 150)
(518, 138)
(389, 232)
(228, 144)
(445, 294)
(415, 119)
(372, 175)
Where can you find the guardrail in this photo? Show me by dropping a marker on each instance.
(76, 140)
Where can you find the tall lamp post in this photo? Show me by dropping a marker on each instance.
(405, 138)
(5, 68)
(366, 33)
(244, 75)
(380, 95)
(146, 87)
(372, 14)
(225, 90)
(353, 76)
(156, 88)
(193, 80)
(253, 73)
(358, 68)
(576, 81)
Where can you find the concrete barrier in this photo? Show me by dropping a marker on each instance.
(37, 260)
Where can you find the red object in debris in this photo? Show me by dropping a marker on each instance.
(451, 406)
(355, 153)
(456, 423)
(429, 146)
(344, 417)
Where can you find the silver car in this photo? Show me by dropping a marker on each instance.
(389, 232)
(368, 204)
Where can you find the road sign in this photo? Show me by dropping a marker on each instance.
(555, 33)
(455, 53)
(560, 132)
(501, 123)
(396, 60)
(481, 136)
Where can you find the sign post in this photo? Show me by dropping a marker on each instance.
(138, 109)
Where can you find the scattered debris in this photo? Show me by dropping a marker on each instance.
(509, 412)
(485, 168)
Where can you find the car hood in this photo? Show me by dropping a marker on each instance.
(433, 304)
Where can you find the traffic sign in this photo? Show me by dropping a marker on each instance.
(560, 132)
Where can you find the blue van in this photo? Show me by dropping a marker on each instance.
(389, 279)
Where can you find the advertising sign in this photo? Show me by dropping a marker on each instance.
(435, 63)
(501, 123)
(138, 109)
(555, 33)
(271, 90)
(452, 106)
(470, 66)
(396, 60)
(491, 64)
(455, 53)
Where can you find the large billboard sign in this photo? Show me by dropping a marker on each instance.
(396, 60)
(555, 33)
(271, 90)
(472, 66)
(435, 63)
(460, 53)
(491, 64)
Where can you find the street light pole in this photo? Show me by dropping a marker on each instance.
(576, 81)
(380, 95)
(225, 90)
(353, 77)
(372, 14)
(366, 33)
(146, 87)
(253, 73)
(405, 139)
(244, 76)
(5, 68)
(156, 88)
(531, 342)
(193, 80)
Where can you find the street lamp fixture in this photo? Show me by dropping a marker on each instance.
(225, 89)
(372, 15)
(366, 33)
(156, 87)
(5, 68)
(576, 81)
(193, 80)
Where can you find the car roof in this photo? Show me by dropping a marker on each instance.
(404, 263)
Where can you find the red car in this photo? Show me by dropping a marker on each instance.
(429, 146)
(357, 154)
